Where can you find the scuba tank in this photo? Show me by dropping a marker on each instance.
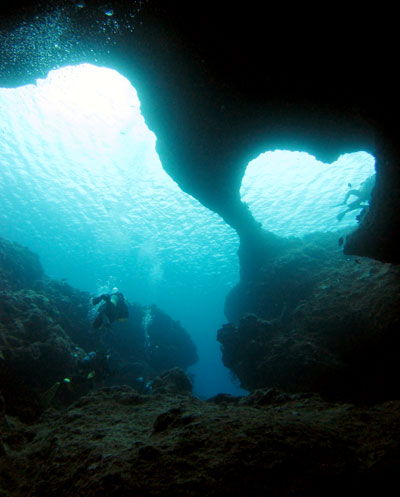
(118, 300)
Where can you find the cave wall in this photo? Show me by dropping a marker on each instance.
(219, 84)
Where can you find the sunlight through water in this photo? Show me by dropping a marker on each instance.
(293, 194)
(81, 176)
(82, 186)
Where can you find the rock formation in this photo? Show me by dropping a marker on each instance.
(117, 442)
(313, 320)
(46, 336)
(100, 440)
(219, 84)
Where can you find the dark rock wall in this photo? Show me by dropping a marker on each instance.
(313, 320)
(149, 343)
(169, 343)
(46, 334)
(19, 267)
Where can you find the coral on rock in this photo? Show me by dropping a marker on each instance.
(314, 320)
(117, 442)
(47, 343)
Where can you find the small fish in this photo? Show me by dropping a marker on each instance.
(68, 384)
(340, 241)
(349, 185)
(91, 375)
(357, 261)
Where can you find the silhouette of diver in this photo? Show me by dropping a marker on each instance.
(114, 308)
(363, 195)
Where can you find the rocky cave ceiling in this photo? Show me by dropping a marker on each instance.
(221, 83)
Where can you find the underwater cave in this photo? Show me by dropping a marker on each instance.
(81, 175)
(241, 191)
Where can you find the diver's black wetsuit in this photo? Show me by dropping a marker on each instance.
(113, 308)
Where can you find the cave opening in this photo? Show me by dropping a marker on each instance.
(81, 175)
(293, 194)
(82, 186)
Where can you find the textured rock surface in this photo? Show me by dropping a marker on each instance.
(318, 322)
(19, 267)
(45, 335)
(117, 442)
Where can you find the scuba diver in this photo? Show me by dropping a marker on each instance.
(363, 195)
(113, 308)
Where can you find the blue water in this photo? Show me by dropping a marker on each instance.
(292, 193)
(82, 186)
